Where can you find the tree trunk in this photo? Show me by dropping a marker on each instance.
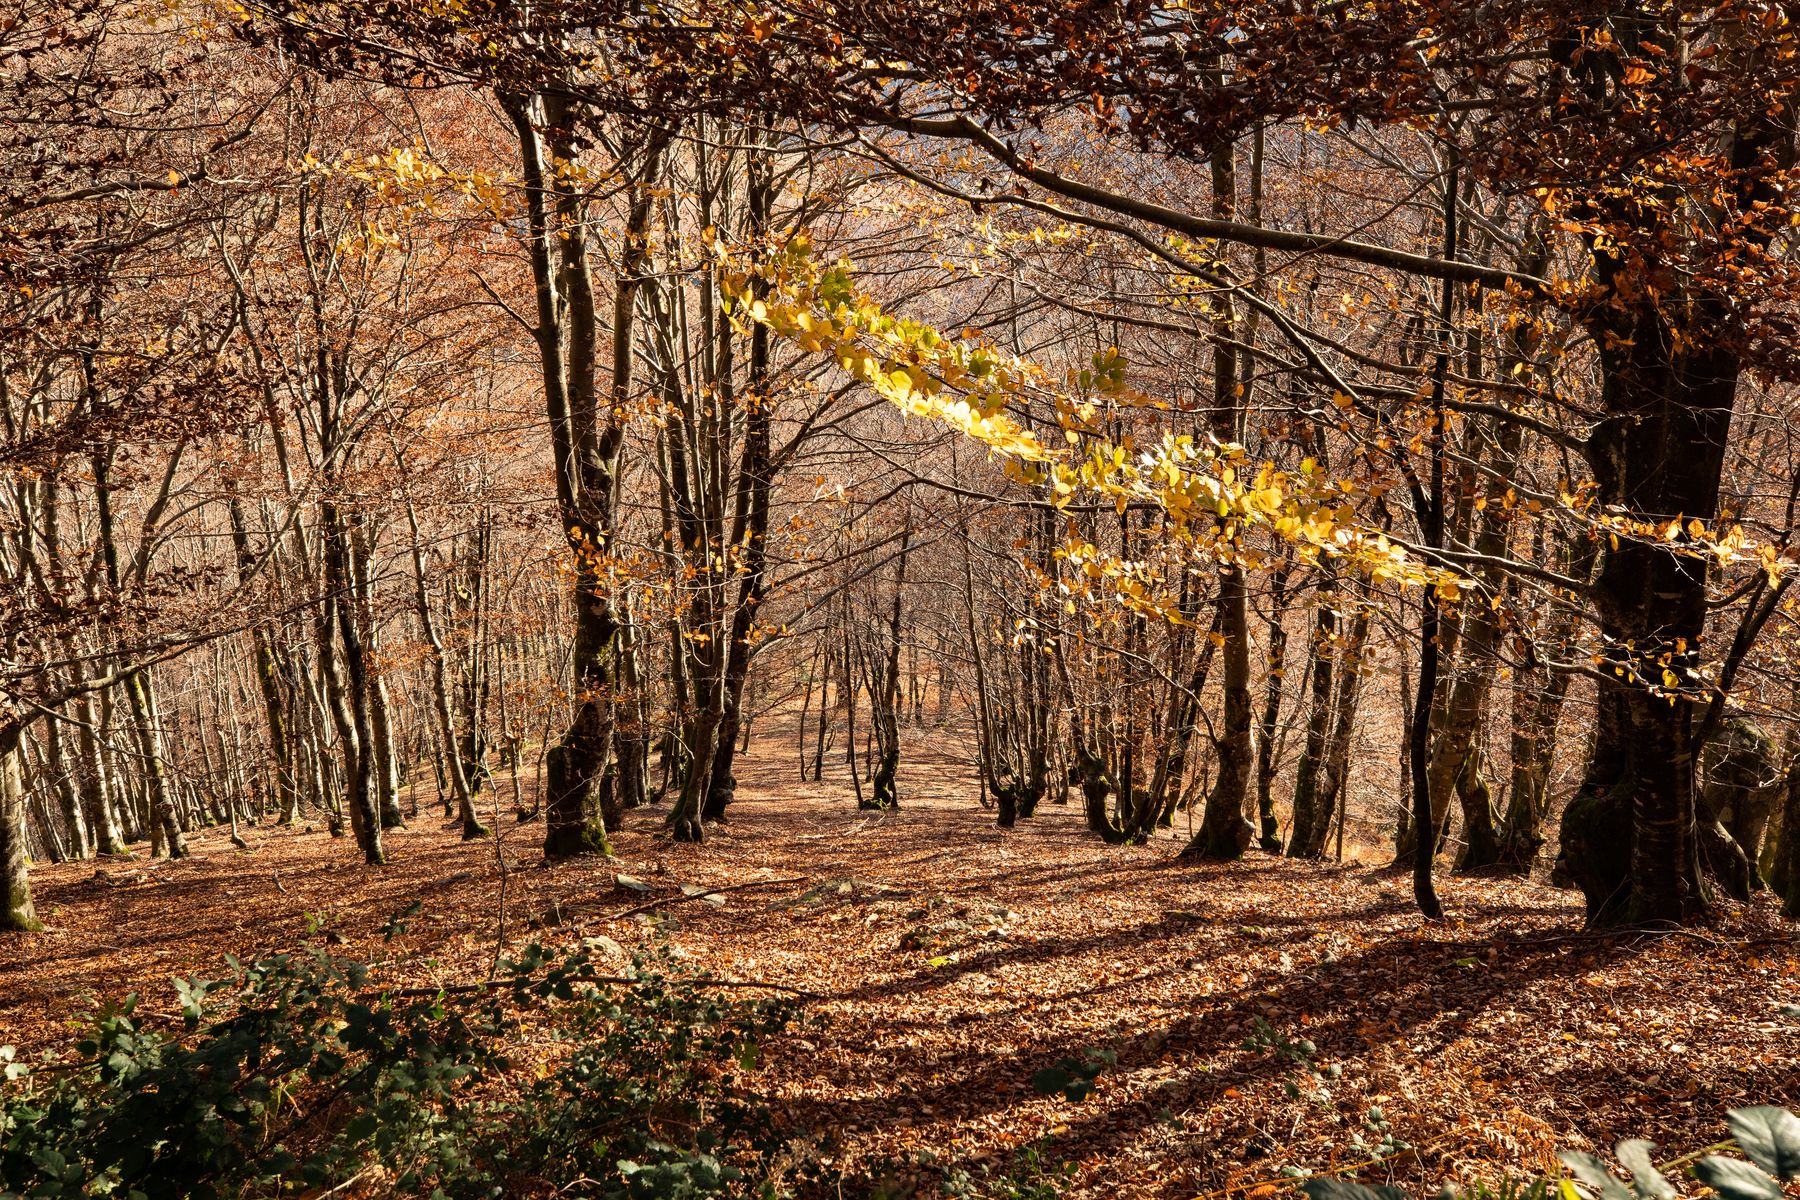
(1537, 711)
(267, 678)
(62, 765)
(1225, 829)
(95, 782)
(357, 731)
(448, 755)
(387, 757)
(1429, 511)
(585, 441)
(16, 911)
(1334, 783)
(631, 745)
(1310, 826)
(750, 519)
(166, 832)
(1784, 874)
(884, 694)
(1269, 830)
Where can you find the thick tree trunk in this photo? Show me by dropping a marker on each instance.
(16, 911)
(585, 440)
(577, 766)
(685, 817)
(1225, 830)
(1630, 838)
(1455, 766)
(1784, 873)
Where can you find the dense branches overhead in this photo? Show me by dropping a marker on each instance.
(1170, 403)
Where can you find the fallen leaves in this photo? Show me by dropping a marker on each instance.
(959, 961)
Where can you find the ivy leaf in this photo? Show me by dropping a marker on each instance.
(1646, 1180)
(1325, 1188)
(1735, 1179)
(1770, 1136)
(1595, 1174)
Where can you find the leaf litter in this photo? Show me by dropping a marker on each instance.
(1211, 1030)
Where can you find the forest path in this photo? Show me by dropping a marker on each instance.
(958, 960)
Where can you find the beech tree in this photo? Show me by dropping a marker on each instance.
(1191, 390)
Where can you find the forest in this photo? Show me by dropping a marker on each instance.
(822, 598)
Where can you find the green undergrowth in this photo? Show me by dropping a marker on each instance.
(1768, 1137)
(303, 1073)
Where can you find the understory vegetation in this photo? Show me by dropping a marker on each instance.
(299, 1074)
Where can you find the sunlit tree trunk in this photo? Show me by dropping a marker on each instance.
(585, 440)
(16, 910)
(355, 726)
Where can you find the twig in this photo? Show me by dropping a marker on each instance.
(1684, 1160)
(736, 887)
(494, 985)
(342, 1186)
(1289, 1180)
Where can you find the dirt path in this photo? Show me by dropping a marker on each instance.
(959, 960)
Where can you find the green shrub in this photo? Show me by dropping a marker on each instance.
(1770, 1136)
(300, 1073)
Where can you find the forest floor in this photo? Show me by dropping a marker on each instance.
(955, 960)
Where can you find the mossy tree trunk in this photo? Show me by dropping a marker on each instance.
(586, 436)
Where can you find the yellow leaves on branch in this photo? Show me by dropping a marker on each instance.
(910, 364)
(1209, 494)
(1692, 538)
(404, 182)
